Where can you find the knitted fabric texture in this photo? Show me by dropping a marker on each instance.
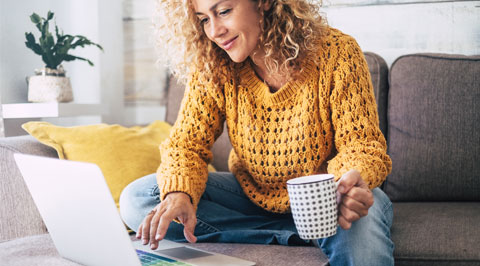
(323, 121)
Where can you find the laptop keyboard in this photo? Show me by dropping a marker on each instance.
(149, 259)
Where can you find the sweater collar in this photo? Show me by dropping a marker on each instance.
(249, 79)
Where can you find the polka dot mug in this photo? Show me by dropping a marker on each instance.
(314, 205)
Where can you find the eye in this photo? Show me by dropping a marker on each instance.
(203, 21)
(224, 12)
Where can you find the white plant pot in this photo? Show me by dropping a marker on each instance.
(42, 88)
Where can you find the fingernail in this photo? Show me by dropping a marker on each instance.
(145, 241)
(152, 246)
(157, 237)
(341, 189)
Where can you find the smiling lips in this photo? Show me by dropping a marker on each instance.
(229, 44)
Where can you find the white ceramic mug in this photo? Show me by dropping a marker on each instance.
(314, 205)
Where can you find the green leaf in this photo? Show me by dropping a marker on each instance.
(50, 15)
(29, 36)
(43, 43)
(45, 28)
(57, 60)
(36, 49)
(58, 33)
(68, 42)
(30, 43)
(83, 41)
(50, 41)
(61, 39)
(62, 49)
(70, 57)
(35, 18)
(49, 59)
(47, 62)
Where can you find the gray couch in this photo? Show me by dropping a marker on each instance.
(429, 112)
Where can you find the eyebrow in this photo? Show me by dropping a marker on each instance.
(212, 8)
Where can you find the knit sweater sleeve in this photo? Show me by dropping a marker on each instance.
(186, 153)
(358, 140)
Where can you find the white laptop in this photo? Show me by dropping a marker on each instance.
(82, 219)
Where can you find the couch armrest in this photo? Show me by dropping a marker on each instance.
(19, 214)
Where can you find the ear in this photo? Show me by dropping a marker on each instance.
(267, 5)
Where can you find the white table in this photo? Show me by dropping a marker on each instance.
(47, 110)
(54, 109)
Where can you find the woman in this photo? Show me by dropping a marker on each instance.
(297, 99)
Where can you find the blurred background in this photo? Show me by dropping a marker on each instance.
(129, 81)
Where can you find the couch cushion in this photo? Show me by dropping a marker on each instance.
(39, 250)
(436, 233)
(19, 215)
(379, 74)
(33, 250)
(433, 133)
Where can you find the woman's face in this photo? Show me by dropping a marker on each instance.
(234, 25)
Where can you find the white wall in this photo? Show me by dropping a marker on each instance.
(110, 25)
(145, 80)
(98, 20)
(392, 28)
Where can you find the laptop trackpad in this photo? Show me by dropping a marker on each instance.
(183, 253)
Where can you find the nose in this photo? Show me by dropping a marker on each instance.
(217, 29)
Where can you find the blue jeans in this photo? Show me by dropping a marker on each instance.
(225, 214)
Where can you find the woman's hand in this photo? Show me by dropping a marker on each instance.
(155, 224)
(355, 198)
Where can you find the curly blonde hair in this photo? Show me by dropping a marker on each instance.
(291, 31)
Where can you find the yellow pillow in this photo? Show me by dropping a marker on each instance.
(123, 154)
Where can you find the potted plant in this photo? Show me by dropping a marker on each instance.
(50, 83)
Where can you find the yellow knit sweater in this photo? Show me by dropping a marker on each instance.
(324, 121)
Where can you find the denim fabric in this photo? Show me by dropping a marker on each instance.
(368, 241)
(226, 215)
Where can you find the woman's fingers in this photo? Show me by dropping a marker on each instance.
(349, 180)
(189, 228)
(145, 227)
(358, 204)
(348, 214)
(354, 205)
(154, 227)
(155, 224)
(354, 197)
(361, 195)
(162, 227)
(344, 223)
(139, 231)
